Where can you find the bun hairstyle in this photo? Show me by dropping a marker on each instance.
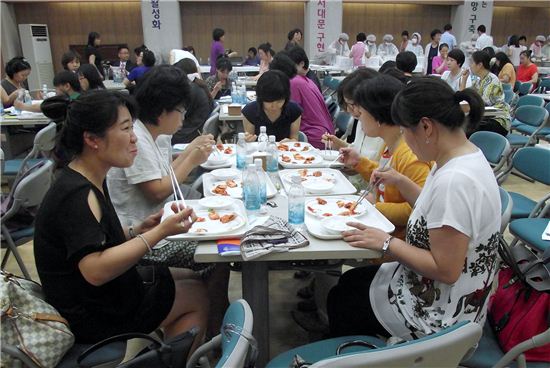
(265, 47)
(526, 53)
(94, 112)
(429, 97)
(16, 65)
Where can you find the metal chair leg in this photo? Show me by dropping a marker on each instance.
(13, 248)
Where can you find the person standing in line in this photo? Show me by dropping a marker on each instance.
(536, 47)
(432, 50)
(484, 40)
(294, 38)
(514, 49)
(358, 50)
(415, 45)
(447, 37)
(92, 54)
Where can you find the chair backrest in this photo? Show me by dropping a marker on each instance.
(507, 87)
(236, 334)
(44, 142)
(516, 85)
(534, 163)
(31, 188)
(531, 115)
(493, 145)
(302, 137)
(443, 349)
(343, 120)
(547, 107)
(530, 100)
(333, 109)
(508, 96)
(544, 85)
(212, 125)
(524, 88)
(216, 108)
(506, 204)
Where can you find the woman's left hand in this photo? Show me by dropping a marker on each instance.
(150, 222)
(364, 236)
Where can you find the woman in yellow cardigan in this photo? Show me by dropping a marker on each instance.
(374, 98)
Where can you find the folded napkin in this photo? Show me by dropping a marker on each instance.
(274, 235)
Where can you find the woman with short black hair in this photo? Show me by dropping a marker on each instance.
(86, 260)
(219, 84)
(70, 61)
(491, 91)
(294, 38)
(272, 109)
(89, 78)
(17, 72)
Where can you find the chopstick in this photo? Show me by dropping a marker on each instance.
(177, 190)
(334, 161)
(370, 187)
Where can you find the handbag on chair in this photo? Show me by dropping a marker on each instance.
(30, 324)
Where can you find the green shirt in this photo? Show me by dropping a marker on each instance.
(490, 89)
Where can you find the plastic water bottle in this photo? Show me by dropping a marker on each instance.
(241, 152)
(234, 93)
(262, 139)
(242, 95)
(296, 204)
(28, 98)
(21, 98)
(272, 164)
(44, 91)
(261, 183)
(251, 190)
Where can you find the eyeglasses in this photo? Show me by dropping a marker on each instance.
(181, 110)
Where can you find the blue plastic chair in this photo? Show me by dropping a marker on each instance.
(302, 137)
(528, 100)
(507, 87)
(443, 349)
(236, 341)
(27, 193)
(508, 96)
(342, 121)
(506, 205)
(494, 146)
(524, 88)
(544, 85)
(529, 231)
(44, 142)
(530, 121)
(533, 162)
(327, 90)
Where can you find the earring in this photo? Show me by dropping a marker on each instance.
(96, 146)
(427, 141)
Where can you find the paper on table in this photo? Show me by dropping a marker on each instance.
(546, 232)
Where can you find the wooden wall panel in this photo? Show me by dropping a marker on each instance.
(380, 19)
(530, 22)
(70, 22)
(246, 24)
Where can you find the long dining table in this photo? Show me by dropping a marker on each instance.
(255, 273)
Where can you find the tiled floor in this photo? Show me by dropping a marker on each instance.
(285, 334)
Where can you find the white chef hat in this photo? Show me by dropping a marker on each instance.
(371, 38)
(388, 38)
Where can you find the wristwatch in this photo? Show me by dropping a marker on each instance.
(131, 232)
(386, 245)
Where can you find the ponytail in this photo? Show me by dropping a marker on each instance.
(429, 97)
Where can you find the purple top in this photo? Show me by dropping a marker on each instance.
(436, 63)
(216, 50)
(316, 119)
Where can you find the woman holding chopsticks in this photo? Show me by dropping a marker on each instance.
(374, 97)
(86, 260)
(154, 178)
(442, 273)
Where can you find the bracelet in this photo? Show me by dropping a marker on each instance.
(131, 232)
(386, 245)
(145, 241)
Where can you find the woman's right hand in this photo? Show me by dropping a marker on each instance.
(179, 222)
(350, 157)
(465, 74)
(336, 142)
(250, 137)
(386, 176)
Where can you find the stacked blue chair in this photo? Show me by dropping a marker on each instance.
(508, 96)
(544, 86)
(443, 349)
(494, 146)
(342, 122)
(524, 88)
(530, 121)
(528, 100)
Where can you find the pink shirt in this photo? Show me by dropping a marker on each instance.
(436, 63)
(316, 119)
(357, 52)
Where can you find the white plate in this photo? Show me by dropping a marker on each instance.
(311, 174)
(337, 224)
(226, 149)
(209, 182)
(295, 147)
(334, 206)
(235, 192)
(342, 185)
(180, 146)
(224, 174)
(298, 159)
(211, 227)
(208, 166)
(217, 202)
(329, 155)
(318, 186)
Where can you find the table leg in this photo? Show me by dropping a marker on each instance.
(255, 284)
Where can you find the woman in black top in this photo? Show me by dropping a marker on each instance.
(93, 56)
(85, 259)
(432, 49)
(272, 109)
(17, 72)
(89, 78)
